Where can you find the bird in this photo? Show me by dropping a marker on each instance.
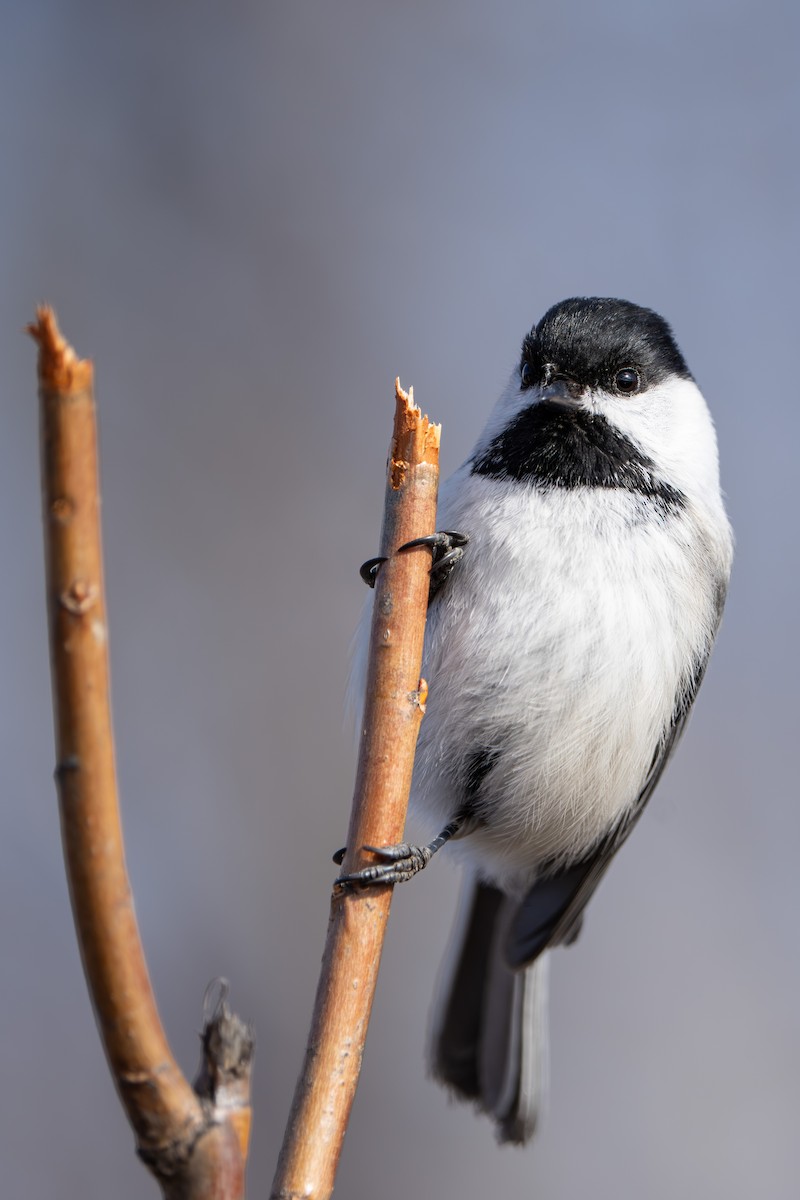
(577, 586)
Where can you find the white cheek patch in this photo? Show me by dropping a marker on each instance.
(672, 425)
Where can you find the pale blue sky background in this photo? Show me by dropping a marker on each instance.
(252, 217)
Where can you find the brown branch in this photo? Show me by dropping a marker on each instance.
(392, 715)
(179, 1135)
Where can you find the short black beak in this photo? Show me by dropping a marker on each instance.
(563, 390)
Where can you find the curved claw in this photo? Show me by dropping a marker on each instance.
(444, 538)
(369, 570)
(392, 853)
(383, 873)
(444, 565)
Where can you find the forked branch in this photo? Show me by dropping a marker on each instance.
(187, 1140)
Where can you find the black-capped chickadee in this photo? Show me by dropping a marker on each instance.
(563, 654)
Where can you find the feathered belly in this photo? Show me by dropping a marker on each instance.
(553, 666)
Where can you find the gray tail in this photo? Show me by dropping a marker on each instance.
(489, 1024)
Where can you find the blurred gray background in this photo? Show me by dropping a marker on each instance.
(251, 217)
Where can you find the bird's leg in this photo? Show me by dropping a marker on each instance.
(447, 546)
(400, 862)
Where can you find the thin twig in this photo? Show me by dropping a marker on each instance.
(178, 1134)
(393, 711)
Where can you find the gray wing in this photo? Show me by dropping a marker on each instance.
(552, 911)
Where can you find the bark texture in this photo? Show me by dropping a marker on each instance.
(180, 1135)
(393, 710)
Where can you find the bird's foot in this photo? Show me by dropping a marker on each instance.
(400, 863)
(447, 546)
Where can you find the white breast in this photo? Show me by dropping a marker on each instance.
(560, 643)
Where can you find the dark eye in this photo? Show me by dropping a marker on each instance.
(627, 381)
(525, 376)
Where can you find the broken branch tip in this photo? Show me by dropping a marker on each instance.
(60, 369)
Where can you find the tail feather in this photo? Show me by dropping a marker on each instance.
(489, 1028)
(457, 1017)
